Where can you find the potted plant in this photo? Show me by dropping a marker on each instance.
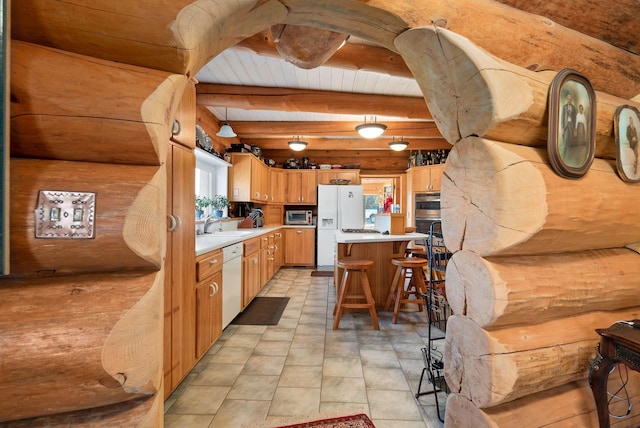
(202, 202)
(219, 203)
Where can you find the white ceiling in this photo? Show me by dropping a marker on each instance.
(241, 66)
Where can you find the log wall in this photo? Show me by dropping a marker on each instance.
(540, 262)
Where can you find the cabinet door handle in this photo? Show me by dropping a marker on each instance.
(298, 232)
(173, 223)
(213, 262)
(214, 289)
(179, 223)
(255, 261)
(257, 195)
(266, 197)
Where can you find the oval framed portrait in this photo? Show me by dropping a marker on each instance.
(572, 124)
(626, 123)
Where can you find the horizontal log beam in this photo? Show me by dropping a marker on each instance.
(308, 100)
(129, 222)
(615, 25)
(88, 342)
(498, 291)
(493, 367)
(313, 129)
(472, 93)
(569, 406)
(56, 117)
(537, 211)
(348, 144)
(351, 56)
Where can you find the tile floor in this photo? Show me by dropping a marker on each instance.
(302, 368)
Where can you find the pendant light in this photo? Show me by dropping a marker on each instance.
(226, 131)
(297, 145)
(371, 129)
(399, 145)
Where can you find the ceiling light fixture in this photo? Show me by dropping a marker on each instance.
(399, 145)
(297, 145)
(226, 131)
(371, 129)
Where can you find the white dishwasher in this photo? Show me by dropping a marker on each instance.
(231, 282)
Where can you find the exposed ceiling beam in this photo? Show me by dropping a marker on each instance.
(331, 129)
(337, 144)
(306, 47)
(352, 56)
(305, 100)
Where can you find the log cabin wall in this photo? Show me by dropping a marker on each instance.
(93, 99)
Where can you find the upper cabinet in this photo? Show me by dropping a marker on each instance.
(248, 179)
(427, 178)
(301, 186)
(325, 176)
(277, 184)
(184, 125)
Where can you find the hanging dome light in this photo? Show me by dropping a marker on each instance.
(297, 145)
(399, 145)
(371, 129)
(226, 131)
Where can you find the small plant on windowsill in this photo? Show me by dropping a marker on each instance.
(202, 202)
(219, 203)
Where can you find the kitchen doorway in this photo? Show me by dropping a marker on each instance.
(381, 195)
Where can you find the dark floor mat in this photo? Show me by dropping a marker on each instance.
(327, 273)
(262, 311)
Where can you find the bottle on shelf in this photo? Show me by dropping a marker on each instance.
(419, 158)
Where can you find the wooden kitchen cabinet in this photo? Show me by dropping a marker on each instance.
(326, 175)
(250, 270)
(278, 248)
(427, 178)
(301, 186)
(277, 186)
(179, 301)
(208, 301)
(248, 179)
(299, 246)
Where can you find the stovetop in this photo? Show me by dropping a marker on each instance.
(360, 231)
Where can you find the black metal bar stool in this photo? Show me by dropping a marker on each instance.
(350, 267)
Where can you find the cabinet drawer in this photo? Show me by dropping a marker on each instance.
(208, 265)
(264, 240)
(251, 246)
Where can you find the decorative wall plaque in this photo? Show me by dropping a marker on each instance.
(67, 215)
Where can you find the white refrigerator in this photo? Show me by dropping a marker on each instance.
(339, 207)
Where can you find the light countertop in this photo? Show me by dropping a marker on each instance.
(216, 240)
(355, 238)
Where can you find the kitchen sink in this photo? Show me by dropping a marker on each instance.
(231, 233)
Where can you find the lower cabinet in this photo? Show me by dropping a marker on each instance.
(250, 270)
(208, 301)
(299, 246)
(208, 313)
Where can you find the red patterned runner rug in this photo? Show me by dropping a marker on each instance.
(354, 421)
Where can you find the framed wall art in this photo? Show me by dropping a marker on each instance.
(626, 123)
(572, 124)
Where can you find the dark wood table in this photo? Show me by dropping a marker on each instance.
(619, 344)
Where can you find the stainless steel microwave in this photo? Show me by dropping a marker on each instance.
(298, 217)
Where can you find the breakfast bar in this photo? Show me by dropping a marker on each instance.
(379, 248)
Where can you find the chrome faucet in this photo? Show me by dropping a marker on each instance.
(209, 221)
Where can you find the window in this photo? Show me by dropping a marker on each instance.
(211, 176)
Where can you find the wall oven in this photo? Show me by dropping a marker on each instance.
(426, 210)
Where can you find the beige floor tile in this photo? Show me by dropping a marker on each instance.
(392, 379)
(301, 377)
(337, 409)
(342, 349)
(393, 405)
(187, 421)
(295, 402)
(311, 329)
(376, 358)
(236, 413)
(279, 333)
(307, 341)
(253, 387)
(304, 357)
(343, 389)
(231, 355)
(198, 400)
(264, 365)
(409, 351)
(276, 348)
(240, 340)
(314, 318)
(218, 375)
(342, 367)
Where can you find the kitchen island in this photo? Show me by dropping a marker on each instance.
(380, 249)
